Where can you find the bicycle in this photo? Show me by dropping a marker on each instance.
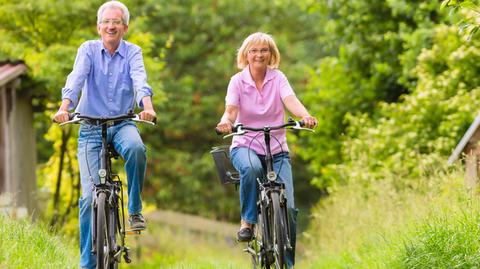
(271, 238)
(108, 231)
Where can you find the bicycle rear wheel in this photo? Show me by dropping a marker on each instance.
(279, 232)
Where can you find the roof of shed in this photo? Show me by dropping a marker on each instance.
(10, 70)
(463, 142)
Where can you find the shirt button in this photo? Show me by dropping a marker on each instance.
(110, 100)
(111, 74)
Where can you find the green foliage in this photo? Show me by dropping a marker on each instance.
(25, 245)
(466, 13)
(427, 122)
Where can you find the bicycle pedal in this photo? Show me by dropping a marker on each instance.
(126, 255)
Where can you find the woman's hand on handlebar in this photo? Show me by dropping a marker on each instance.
(310, 122)
(61, 116)
(224, 127)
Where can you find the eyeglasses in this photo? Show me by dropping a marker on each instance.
(261, 51)
(112, 22)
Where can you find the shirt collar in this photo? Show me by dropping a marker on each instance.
(120, 50)
(247, 77)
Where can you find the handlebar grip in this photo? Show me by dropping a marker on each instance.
(302, 123)
(218, 131)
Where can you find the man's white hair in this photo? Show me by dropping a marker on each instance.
(113, 4)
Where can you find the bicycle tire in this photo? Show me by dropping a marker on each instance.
(279, 232)
(265, 222)
(102, 232)
(113, 237)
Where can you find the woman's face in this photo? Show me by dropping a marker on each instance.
(258, 55)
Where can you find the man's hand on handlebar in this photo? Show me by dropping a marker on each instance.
(61, 116)
(148, 115)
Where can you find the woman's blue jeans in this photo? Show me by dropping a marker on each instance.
(250, 166)
(128, 143)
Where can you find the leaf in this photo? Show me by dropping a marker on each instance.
(445, 4)
(469, 5)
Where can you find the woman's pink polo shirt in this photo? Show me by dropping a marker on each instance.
(258, 109)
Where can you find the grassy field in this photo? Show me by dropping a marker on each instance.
(179, 244)
(435, 225)
(27, 245)
(24, 245)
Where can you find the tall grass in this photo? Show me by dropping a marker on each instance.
(431, 225)
(27, 245)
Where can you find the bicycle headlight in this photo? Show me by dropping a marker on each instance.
(272, 176)
(102, 172)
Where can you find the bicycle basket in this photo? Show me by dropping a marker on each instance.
(227, 173)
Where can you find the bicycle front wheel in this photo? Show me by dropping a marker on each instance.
(279, 232)
(102, 242)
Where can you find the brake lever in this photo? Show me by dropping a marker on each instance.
(239, 131)
(74, 120)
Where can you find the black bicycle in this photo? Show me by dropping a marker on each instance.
(108, 231)
(271, 238)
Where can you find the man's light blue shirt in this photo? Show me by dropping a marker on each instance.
(108, 83)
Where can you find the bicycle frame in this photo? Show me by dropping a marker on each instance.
(112, 188)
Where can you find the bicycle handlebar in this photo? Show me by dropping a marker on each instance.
(239, 128)
(76, 118)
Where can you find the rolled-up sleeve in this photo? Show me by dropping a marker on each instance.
(139, 77)
(76, 79)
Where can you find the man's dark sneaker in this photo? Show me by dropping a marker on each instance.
(244, 234)
(137, 222)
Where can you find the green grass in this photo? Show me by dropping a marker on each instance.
(432, 225)
(26, 245)
(171, 248)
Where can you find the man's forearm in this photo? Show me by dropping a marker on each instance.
(65, 104)
(147, 103)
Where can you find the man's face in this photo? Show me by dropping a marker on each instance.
(112, 27)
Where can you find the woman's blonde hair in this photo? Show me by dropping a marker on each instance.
(258, 38)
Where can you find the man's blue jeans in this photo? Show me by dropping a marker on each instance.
(128, 143)
(250, 166)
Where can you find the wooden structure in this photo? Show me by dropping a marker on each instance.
(17, 142)
(469, 145)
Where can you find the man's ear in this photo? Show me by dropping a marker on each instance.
(98, 28)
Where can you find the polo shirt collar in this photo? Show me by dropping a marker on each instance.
(247, 77)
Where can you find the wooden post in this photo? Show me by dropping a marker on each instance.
(3, 157)
(471, 175)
